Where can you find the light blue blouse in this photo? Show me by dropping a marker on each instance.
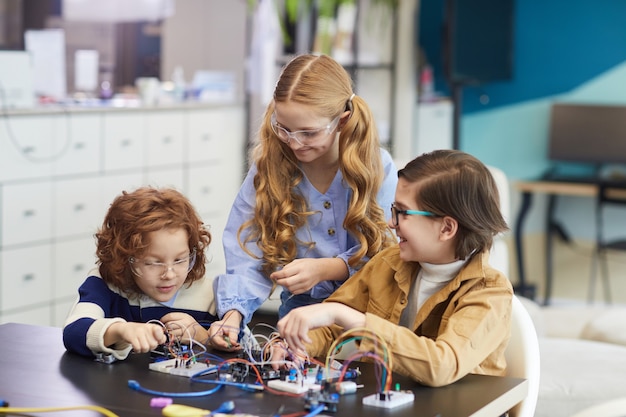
(244, 287)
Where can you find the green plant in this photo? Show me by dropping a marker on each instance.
(325, 8)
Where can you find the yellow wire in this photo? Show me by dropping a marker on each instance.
(101, 410)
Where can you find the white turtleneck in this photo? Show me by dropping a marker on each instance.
(430, 279)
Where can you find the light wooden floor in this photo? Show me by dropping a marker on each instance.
(572, 271)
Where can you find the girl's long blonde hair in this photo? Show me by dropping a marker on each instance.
(320, 82)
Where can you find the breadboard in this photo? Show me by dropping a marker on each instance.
(294, 387)
(301, 386)
(174, 367)
(389, 399)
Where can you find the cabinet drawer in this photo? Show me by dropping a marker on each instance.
(215, 134)
(38, 316)
(165, 133)
(81, 152)
(212, 188)
(26, 213)
(77, 207)
(60, 310)
(215, 252)
(113, 185)
(123, 140)
(173, 177)
(72, 262)
(27, 144)
(26, 277)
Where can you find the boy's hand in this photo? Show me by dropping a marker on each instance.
(143, 337)
(295, 326)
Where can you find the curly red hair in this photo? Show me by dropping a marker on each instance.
(127, 224)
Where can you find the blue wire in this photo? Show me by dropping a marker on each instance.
(212, 356)
(137, 387)
(316, 410)
(242, 385)
(226, 407)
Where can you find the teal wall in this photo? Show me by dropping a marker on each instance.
(564, 50)
(515, 137)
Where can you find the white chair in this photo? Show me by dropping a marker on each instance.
(522, 357)
(499, 256)
(613, 408)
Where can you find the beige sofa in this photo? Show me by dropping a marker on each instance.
(583, 356)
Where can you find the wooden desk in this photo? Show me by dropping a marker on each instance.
(584, 188)
(38, 372)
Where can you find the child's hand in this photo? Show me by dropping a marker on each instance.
(224, 334)
(278, 353)
(303, 274)
(182, 326)
(143, 337)
(295, 326)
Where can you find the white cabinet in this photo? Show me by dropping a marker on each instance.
(164, 135)
(215, 135)
(79, 152)
(60, 171)
(27, 145)
(73, 259)
(77, 207)
(26, 213)
(123, 141)
(25, 277)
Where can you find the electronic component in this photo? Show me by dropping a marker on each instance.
(268, 373)
(237, 371)
(341, 388)
(389, 399)
(107, 358)
(314, 399)
(169, 351)
(180, 367)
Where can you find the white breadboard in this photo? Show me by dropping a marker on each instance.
(391, 399)
(294, 387)
(174, 367)
(302, 385)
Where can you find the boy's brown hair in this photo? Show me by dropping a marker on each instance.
(456, 184)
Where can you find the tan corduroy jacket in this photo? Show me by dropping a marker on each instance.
(464, 328)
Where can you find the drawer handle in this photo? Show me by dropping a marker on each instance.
(28, 150)
(78, 267)
(29, 213)
(29, 277)
(79, 207)
(125, 142)
(206, 190)
(206, 137)
(167, 139)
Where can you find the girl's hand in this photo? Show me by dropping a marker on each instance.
(224, 334)
(301, 275)
(182, 326)
(143, 337)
